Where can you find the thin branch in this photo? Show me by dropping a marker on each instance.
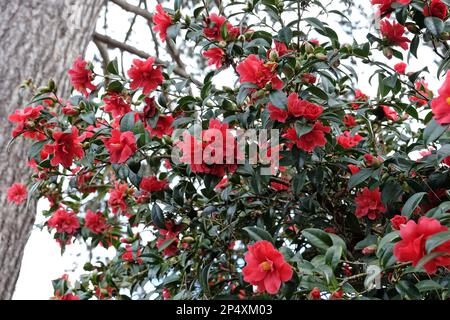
(142, 54)
(134, 9)
(104, 54)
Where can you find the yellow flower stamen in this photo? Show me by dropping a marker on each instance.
(265, 266)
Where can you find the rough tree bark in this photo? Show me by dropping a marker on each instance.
(39, 40)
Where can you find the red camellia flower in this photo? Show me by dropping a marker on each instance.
(353, 169)
(121, 146)
(145, 75)
(116, 105)
(393, 34)
(166, 294)
(95, 222)
(255, 71)
(280, 48)
(348, 141)
(397, 221)
(308, 78)
(131, 256)
(390, 113)
(383, 5)
(266, 267)
(162, 21)
(436, 9)
(205, 154)
(303, 108)
(400, 67)
(17, 193)
(360, 98)
(213, 26)
(163, 126)
(152, 184)
(349, 121)
(421, 97)
(277, 114)
(412, 246)
(315, 294)
(215, 57)
(170, 233)
(337, 295)
(311, 140)
(66, 148)
(369, 204)
(81, 76)
(64, 221)
(117, 198)
(26, 123)
(441, 105)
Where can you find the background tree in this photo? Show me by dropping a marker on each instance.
(40, 39)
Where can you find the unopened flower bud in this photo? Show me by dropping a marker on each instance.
(188, 240)
(52, 85)
(412, 27)
(187, 20)
(388, 53)
(273, 56)
(321, 56)
(308, 47)
(369, 249)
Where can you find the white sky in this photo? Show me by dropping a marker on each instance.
(42, 259)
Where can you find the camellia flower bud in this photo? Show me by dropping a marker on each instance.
(187, 20)
(273, 56)
(308, 47)
(369, 249)
(388, 53)
(321, 56)
(188, 240)
(315, 294)
(412, 27)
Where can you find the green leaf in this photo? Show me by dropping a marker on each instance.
(428, 285)
(434, 25)
(158, 216)
(298, 182)
(166, 244)
(35, 150)
(278, 98)
(391, 192)
(173, 30)
(258, 234)
(388, 238)
(433, 131)
(408, 290)
(412, 203)
(127, 122)
(318, 238)
(333, 256)
(204, 277)
(301, 129)
(181, 121)
(359, 177)
(427, 258)
(113, 67)
(285, 35)
(436, 240)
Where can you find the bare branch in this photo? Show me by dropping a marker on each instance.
(134, 9)
(126, 47)
(103, 53)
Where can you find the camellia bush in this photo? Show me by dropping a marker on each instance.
(342, 210)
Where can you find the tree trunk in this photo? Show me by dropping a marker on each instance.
(39, 40)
